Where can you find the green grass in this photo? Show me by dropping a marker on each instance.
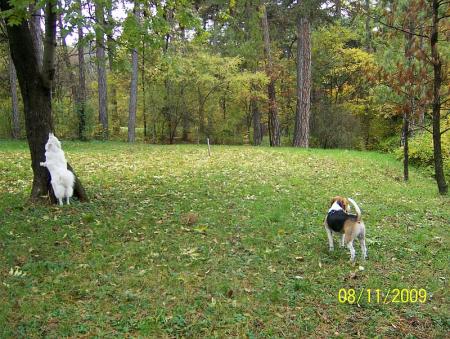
(254, 264)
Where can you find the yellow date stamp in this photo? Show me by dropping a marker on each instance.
(382, 296)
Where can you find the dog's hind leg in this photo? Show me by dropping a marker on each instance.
(330, 238)
(352, 251)
(342, 240)
(68, 193)
(362, 241)
(59, 192)
(363, 247)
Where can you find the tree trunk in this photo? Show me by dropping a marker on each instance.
(201, 115)
(144, 108)
(101, 71)
(338, 8)
(185, 134)
(15, 130)
(66, 58)
(301, 128)
(368, 38)
(256, 119)
(115, 119)
(35, 85)
(274, 125)
(133, 89)
(405, 140)
(81, 100)
(409, 109)
(437, 70)
(184, 116)
(421, 113)
(36, 33)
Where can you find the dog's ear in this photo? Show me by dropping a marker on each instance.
(345, 204)
(332, 201)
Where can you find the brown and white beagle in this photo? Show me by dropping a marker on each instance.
(338, 220)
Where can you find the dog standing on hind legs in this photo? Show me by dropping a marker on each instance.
(338, 220)
(62, 179)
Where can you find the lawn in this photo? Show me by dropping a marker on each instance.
(177, 244)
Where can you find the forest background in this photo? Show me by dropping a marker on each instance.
(327, 74)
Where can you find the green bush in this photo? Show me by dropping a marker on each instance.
(421, 151)
(389, 144)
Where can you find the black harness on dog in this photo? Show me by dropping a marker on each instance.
(337, 218)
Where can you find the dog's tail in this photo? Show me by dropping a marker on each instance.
(358, 211)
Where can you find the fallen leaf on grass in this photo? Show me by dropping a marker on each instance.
(16, 272)
(201, 229)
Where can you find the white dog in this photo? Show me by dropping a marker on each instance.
(63, 180)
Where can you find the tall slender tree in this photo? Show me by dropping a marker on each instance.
(431, 14)
(409, 107)
(256, 121)
(301, 128)
(133, 84)
(436, 61)
(101, 68)
(274, 125)
(112, 85)
(81, 98)
(67, 62)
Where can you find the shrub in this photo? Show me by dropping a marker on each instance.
(421, 151)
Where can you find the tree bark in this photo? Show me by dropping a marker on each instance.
(81, 100)
(274, 125)
(368, 38)
(185, 133)
(113, 91)
(101, 71)
(409, 108)
(133, 88)
(256, 120)
(405, 139)
(15, 130)
(436, 106)
(184, 116)
(35, 86)
(36, 33)
(301, 128)
(201, 115)
(68, 64)
(144, 101)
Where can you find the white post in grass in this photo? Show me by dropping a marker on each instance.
(209, 147)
